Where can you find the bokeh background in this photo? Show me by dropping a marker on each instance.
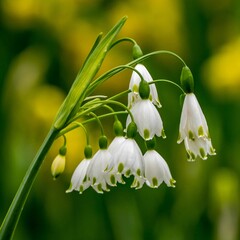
(42, 47)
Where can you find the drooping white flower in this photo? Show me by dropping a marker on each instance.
(147, 118)
(194, 129)
(97, 174)
(127, 160)
(115, 144)
(135, 80)
(156, 170)
(79, 181)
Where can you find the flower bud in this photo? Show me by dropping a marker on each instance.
(187, 80)
(137, 52)
(103, 142)
(144, 90)
(58, 165)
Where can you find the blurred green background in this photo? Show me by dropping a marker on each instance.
(42, 47)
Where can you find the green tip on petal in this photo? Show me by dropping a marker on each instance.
(69, 189)
(172, 183)
(154, 182)
(202, 154)
(200, 131)
(146, 133)
(163, 134)
(120, 167)
(81, 189)
(191, 135)
(135, 88)
(113, 179)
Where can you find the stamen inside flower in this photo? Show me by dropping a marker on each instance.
(112, 179)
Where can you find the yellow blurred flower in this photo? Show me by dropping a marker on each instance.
(221, 72)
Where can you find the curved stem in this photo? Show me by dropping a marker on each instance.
(84, 129)
(167, 81)
(70, 128)
(126, 39)
(11, 219)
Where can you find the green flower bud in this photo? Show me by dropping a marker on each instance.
(88, 151)
(187, 80)
(118, 128)
(137, 52)
(150, 144)
(131, 130)
(103, 142)
(144, 90)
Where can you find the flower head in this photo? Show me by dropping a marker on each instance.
(79, 181)
(127, 160)
(134, 86)
(147, 118)
(194, 129)
(97, 171)
(156, 170)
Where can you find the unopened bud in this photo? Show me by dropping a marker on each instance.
(58, 165)
(137, 51)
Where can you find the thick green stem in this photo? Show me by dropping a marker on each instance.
(11, 219)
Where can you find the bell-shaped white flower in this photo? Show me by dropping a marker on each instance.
(96, 172)
(194, 129)
(127, 160)
(147, 118)
(135, 80)
(156, 170)
(115, 144)
(79, 181)
(198, 147)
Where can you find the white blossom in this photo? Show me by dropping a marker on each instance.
(194, 129)
(156, 170)
(147, 119)
(79, 181)
(135, 80)
(127, 160)
(97, 174)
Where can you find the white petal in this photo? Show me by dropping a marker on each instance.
(79, 177)
(156, 169)
(147, 118)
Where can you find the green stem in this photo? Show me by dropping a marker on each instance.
(14, 212)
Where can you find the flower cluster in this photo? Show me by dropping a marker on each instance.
(124, 158)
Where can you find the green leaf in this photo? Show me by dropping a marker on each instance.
(91, 66)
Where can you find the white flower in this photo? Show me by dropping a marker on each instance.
(115, 144)
(147, 118)
(134, 86)
(194, 129)
(127, 160)
(156, 170)
(79, 181)
(97, 174)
